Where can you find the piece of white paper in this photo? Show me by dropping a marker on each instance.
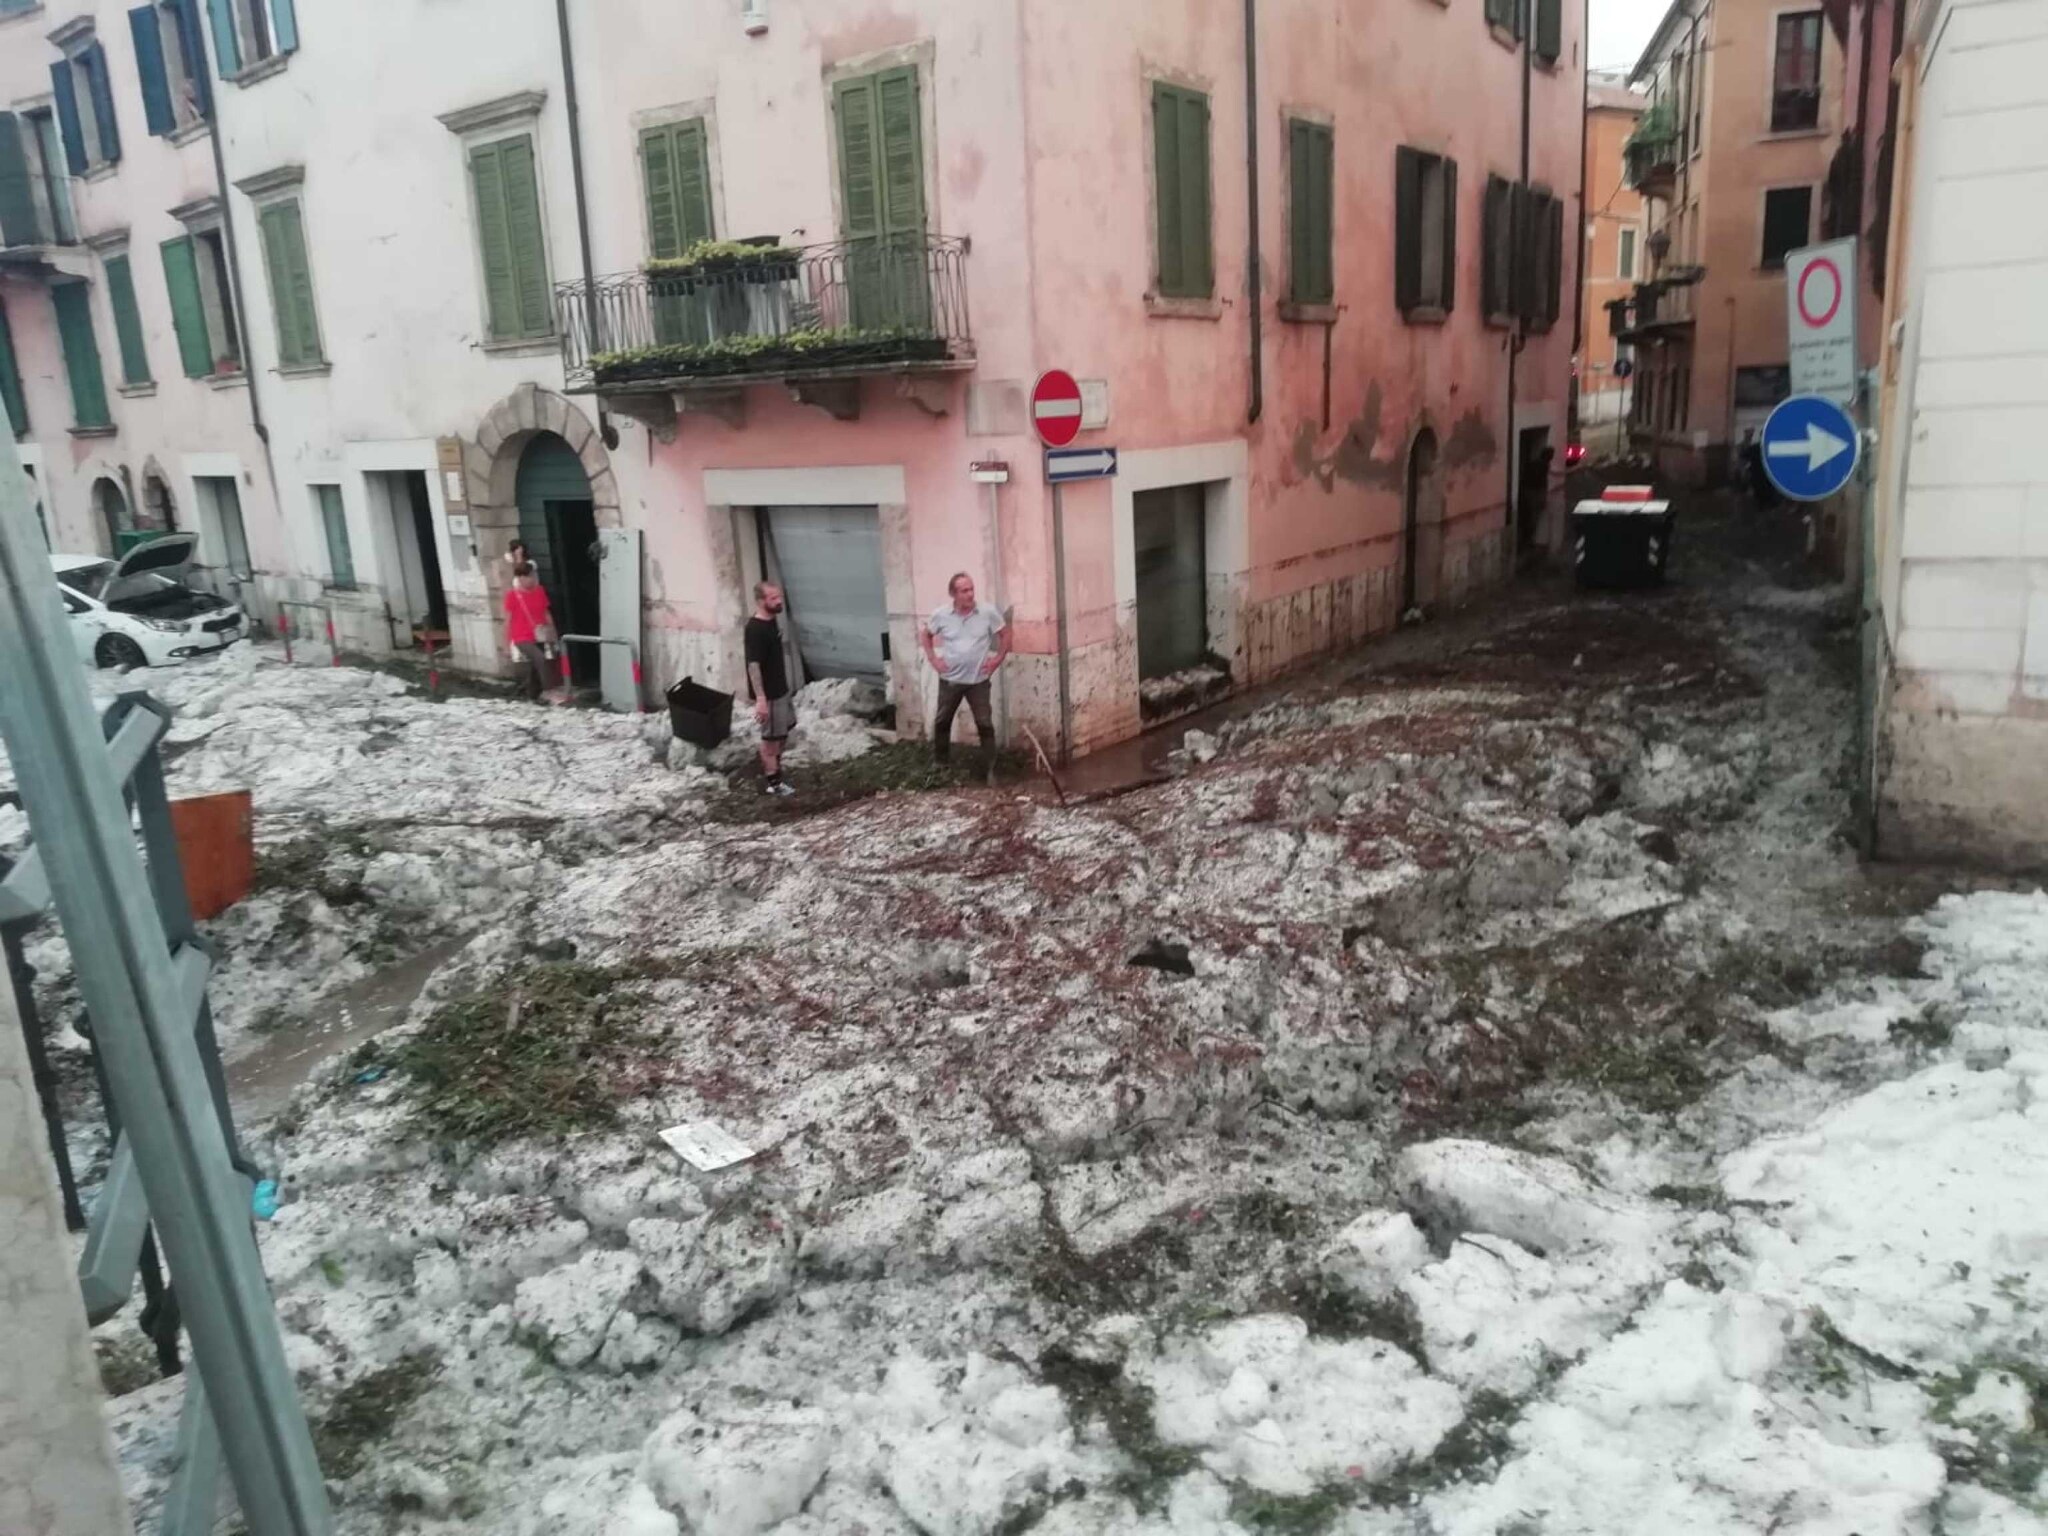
(707, 1145)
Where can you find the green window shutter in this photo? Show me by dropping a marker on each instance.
(11, 401)
(188, 311)
(127, 321)
(284, 25)
(675, 166)
(1196, 234)
(658, 172)
(899, 114)
(1448, 293)
(149, 69)
(1407, 228)
(1180, 146)
(291, 285)
(1323, 231)
(501, 293)
(341, 562)
(102, 90)
(1549, 29)
(81, 355)
(527, 240)
(859, 160)
(70, 126)
(1493, 238)
(1311, 167)
(227, 48)
(18, 222)
(1167, 188)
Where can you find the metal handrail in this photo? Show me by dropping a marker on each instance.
(817, 307)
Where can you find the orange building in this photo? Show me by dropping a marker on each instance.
(1613, 257)
(1750, 107)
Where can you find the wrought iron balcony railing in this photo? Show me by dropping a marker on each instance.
(35, 212)
(735, 314)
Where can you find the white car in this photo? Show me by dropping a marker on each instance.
(138, 612)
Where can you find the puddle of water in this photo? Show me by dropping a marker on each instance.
(261, 1080)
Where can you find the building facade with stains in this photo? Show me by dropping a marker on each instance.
(1959, 695)
(689, 294)
(1762, 124)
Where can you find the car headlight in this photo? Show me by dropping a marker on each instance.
(168, 626)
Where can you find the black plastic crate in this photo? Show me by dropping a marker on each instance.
(699, 715)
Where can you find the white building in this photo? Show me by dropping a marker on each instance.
(1961, 729)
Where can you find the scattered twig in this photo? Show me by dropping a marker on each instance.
(1045, 763)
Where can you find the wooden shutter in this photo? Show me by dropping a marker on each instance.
(127, 321)
(291, 285)
(1497, 259)
(1180, 138)
(94, 58)
(1554, 240)
(195, 56)
(284, 25)
(899, 114)
(81, 354)
(1322, 149)
(69, 126)
(227, 48)
(11, 401)
(341, 564)
(501, 293)
(675, 167)
(529, 240)
(1299, 170)
(1172, 262)
(157, 111)
(1407, 228)
(188, 311)
(860, 192)
(1196, 233)
(18, 222)
(1447, 293)
(1549, 29)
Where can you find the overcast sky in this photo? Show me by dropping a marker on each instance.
(1621, 30)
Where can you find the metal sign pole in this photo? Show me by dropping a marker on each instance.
(1059, 576)
(80, 821)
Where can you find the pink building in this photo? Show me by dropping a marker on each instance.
(1277, 241)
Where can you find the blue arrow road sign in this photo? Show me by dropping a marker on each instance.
(1810, 447)
(1064, 464)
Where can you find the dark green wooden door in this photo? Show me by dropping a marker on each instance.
(558, 522)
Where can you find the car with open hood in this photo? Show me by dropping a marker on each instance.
(138, 611)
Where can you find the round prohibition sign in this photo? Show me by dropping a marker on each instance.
(1834, 302)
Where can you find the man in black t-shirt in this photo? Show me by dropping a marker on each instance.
(768, 678)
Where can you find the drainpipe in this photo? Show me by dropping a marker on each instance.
(1580, 244)
(569, 103)
(237, 289)
(1255, 284)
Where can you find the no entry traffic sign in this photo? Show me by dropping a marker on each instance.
(1820, 319)
(1056, 408)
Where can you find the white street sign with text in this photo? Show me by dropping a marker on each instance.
(1820, 319)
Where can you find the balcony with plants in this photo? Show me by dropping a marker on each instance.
(729, 313)
(1650, 156)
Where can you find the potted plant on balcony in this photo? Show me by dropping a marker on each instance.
(721, 288)
(813, 350)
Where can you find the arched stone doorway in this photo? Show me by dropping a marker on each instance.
(558, 521)
(539, 471)
(110, 509)
(1422, 525)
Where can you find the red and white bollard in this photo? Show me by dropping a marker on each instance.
(333, 649)
(639, 693)
(433, 673)
(284, 627)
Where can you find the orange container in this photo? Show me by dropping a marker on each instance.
(217, 846)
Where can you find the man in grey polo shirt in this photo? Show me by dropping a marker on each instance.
(965, 641)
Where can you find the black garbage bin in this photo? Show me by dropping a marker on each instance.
(699, 715)
(1621, 538)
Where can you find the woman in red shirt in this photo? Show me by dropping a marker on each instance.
(529, 629)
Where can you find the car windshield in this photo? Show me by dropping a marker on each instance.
(88, 579)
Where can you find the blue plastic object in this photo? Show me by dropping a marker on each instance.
(263, 1200)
